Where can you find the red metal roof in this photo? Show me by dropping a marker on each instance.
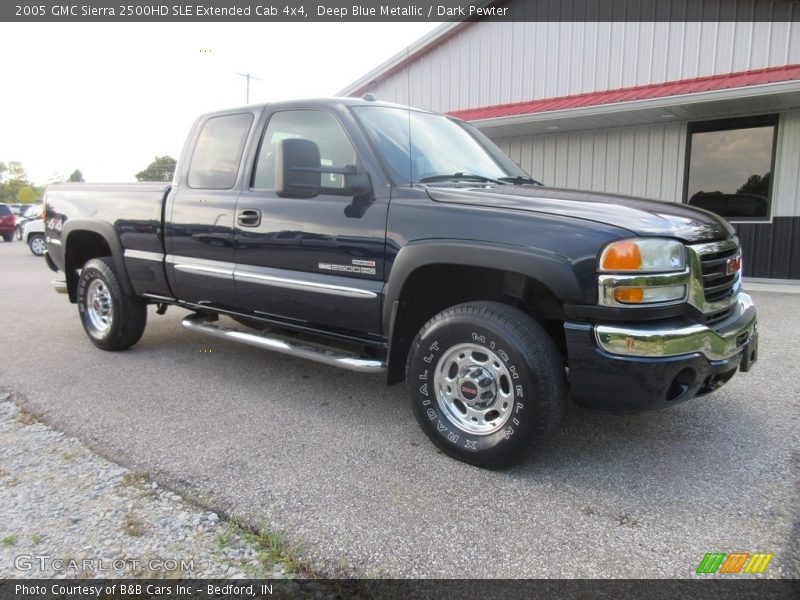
(642, 92)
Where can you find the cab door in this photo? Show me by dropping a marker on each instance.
(316, 261)
(200, 213)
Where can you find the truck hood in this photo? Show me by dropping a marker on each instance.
(640, 216)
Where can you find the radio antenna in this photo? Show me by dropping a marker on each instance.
(249, 77)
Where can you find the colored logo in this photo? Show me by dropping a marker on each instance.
(469, 391)
(733, 563)
(733, 265)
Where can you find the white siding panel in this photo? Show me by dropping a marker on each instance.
(643, 161)
(489, 63)
(786, 190)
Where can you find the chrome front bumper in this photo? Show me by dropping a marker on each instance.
(722, 342)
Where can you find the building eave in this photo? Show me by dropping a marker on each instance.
(400, 60)
(767, 97)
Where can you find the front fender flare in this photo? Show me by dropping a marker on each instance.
(550, 269)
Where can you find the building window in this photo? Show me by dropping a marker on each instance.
(730, 165)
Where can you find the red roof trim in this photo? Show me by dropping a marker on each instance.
(642, 92)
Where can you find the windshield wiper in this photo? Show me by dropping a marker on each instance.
(461, 175)
(519, 179)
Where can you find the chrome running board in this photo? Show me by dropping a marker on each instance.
(320, 354)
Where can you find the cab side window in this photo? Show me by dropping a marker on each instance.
(321, 128)
(218, 151)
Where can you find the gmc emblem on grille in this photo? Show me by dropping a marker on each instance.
(733, 266)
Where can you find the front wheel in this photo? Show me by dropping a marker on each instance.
(487, 383)
(113, 320)
(37, 244)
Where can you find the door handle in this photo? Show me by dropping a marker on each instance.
(249, 217)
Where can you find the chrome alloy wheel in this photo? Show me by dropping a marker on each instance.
(474, 389)
(99, 308)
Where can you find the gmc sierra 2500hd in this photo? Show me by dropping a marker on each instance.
(376, 237)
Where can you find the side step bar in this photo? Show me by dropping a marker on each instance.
(320, 354)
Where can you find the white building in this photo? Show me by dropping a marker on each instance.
(700, 112)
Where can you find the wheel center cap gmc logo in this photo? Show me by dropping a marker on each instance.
(733, 266)
(469, 391)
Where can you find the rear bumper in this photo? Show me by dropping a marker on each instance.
(640, 367)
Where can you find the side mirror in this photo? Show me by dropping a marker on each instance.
(297, 172)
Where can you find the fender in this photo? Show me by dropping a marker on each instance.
(550, 269)
(109, 234)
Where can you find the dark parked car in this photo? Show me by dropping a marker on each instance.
(7, 222)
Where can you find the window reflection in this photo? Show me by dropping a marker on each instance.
(730, 169)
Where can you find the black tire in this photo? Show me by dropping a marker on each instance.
(8, 237)
(122, 325)
(449, 367)
(36, 243)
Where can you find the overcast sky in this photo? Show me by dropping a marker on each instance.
(106, 98)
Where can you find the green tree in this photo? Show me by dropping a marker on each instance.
(16, 171)
(756, 184)
(26, 195)
(161, 169)
(76, 176)
(15, 186)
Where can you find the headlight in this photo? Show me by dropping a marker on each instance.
(646, 272)
(644, 255)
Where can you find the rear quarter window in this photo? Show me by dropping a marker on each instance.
(4, 210)
(218, 151)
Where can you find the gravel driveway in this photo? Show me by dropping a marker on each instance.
(337, 460)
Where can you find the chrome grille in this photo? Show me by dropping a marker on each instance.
(713, 290)
(717, 284)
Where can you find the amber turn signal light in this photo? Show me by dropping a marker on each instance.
(622, 256)
(629, 295)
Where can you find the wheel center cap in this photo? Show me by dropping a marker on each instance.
(476, 387)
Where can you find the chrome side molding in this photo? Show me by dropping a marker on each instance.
(320, 354)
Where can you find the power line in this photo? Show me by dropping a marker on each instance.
(249, 77)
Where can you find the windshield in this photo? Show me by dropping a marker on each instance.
(440, 147)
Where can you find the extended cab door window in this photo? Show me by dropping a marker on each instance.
(200, 259)
(320, 259)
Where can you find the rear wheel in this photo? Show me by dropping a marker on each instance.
(487, 383)
(37, 244)
(8, 237)
(113, 320)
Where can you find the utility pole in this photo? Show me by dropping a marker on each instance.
(249, 77)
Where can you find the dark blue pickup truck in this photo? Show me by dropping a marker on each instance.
(375, 237)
